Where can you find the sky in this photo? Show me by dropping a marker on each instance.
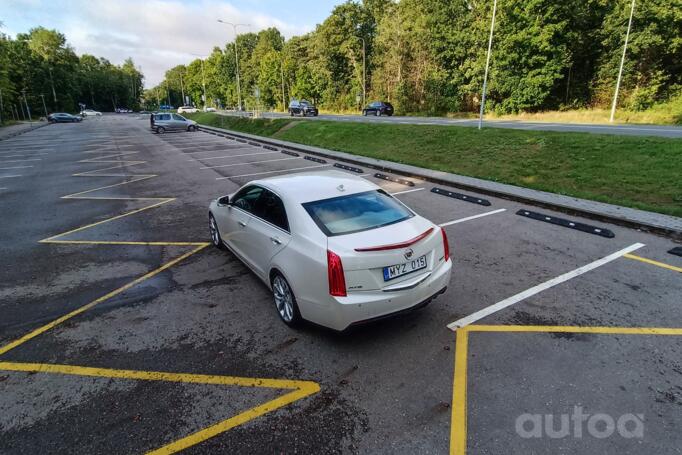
(158, 34)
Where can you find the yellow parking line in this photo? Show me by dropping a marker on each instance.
(115, 292)
(652, 262)
(458, 425)
(132, 212)
(115, 242)
(301, 389)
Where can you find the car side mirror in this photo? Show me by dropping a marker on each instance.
(225, 200)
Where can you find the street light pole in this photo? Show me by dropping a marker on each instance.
(487, 64)
(182, 90)
(281, 66)
(28, 110)
(622, 62)
(364, 72)
(0, 106)
(44, 107)
(236, 58)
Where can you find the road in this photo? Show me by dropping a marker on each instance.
(630, 130)
(123, 331)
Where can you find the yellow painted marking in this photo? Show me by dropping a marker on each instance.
(458, 427)
(116, 242)
(652, 262)
(132, 212)
(572, 329)
(8, 347)
(458, 423)
(301, 389)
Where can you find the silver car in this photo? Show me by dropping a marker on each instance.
(167, 121)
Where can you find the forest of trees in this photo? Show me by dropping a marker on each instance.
(41, 62)
(428, 56)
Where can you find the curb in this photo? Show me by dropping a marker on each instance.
(26, 130)
(665, 225)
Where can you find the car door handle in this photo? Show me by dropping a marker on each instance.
(275, 240)
(241, 223)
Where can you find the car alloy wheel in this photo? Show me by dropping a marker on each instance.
(284, 299)
(160, 130)
(215, 234)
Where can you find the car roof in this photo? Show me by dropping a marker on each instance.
(324, 185)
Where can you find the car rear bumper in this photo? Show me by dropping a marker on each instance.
(339, 313)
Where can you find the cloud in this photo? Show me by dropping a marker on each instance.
(158, 34)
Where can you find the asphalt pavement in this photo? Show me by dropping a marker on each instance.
(123, 331)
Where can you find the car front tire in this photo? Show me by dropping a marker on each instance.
(160, 130)
(285, 301)
(216, 240)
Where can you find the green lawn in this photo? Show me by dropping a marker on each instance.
(640, 172)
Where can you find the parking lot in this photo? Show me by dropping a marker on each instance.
(124, 331)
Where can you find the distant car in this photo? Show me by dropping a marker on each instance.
(166, 107)
(63, 117)
(187, 110)
(123, 110)
(90, 113)
(166, 121)
(378, 108)
(209, 109)
(345, 253)
(302, 107)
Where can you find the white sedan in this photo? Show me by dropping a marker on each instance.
(90, 112)
(187, 110)
(334, 248)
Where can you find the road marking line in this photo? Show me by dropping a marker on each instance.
(250, 162)
(8, 347)
(231, 156)
(463, 322)
(407, 191)
(22, 161)
(364, 175)
(301, 389)
(214, 151)
(576, 329)
(473, 217)
(272, 172)
(458, 432)
(14, 167)
(9, 176)
(458, 422)
(652, 262)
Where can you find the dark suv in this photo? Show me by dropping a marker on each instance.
(302, 107)
(378, 108)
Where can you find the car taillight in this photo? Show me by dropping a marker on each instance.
(446, 245)
(337, 282)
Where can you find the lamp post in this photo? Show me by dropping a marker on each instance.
(203, 77)
(28, 110)
(622, 61)
(44, 107)
(487, 64)
(236, 58)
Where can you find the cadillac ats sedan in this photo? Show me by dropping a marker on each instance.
(335, 249)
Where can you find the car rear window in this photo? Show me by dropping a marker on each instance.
(356, 212)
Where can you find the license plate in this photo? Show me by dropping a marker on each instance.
(394, 271)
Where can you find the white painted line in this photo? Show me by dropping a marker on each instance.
(487, 311)
(9, 176)
(216, 151)
(407, 191)
(272, 172)
(250, 162)
(473, 217)
(14, 167)
(21, 161)
(3, 188)
(230, 156)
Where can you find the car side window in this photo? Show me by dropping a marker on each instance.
(179, 117)
(271, 208)
(246, 199)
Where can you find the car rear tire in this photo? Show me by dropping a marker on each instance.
(285, 301)
(377, 113)
(216, 240)
(160, 130)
